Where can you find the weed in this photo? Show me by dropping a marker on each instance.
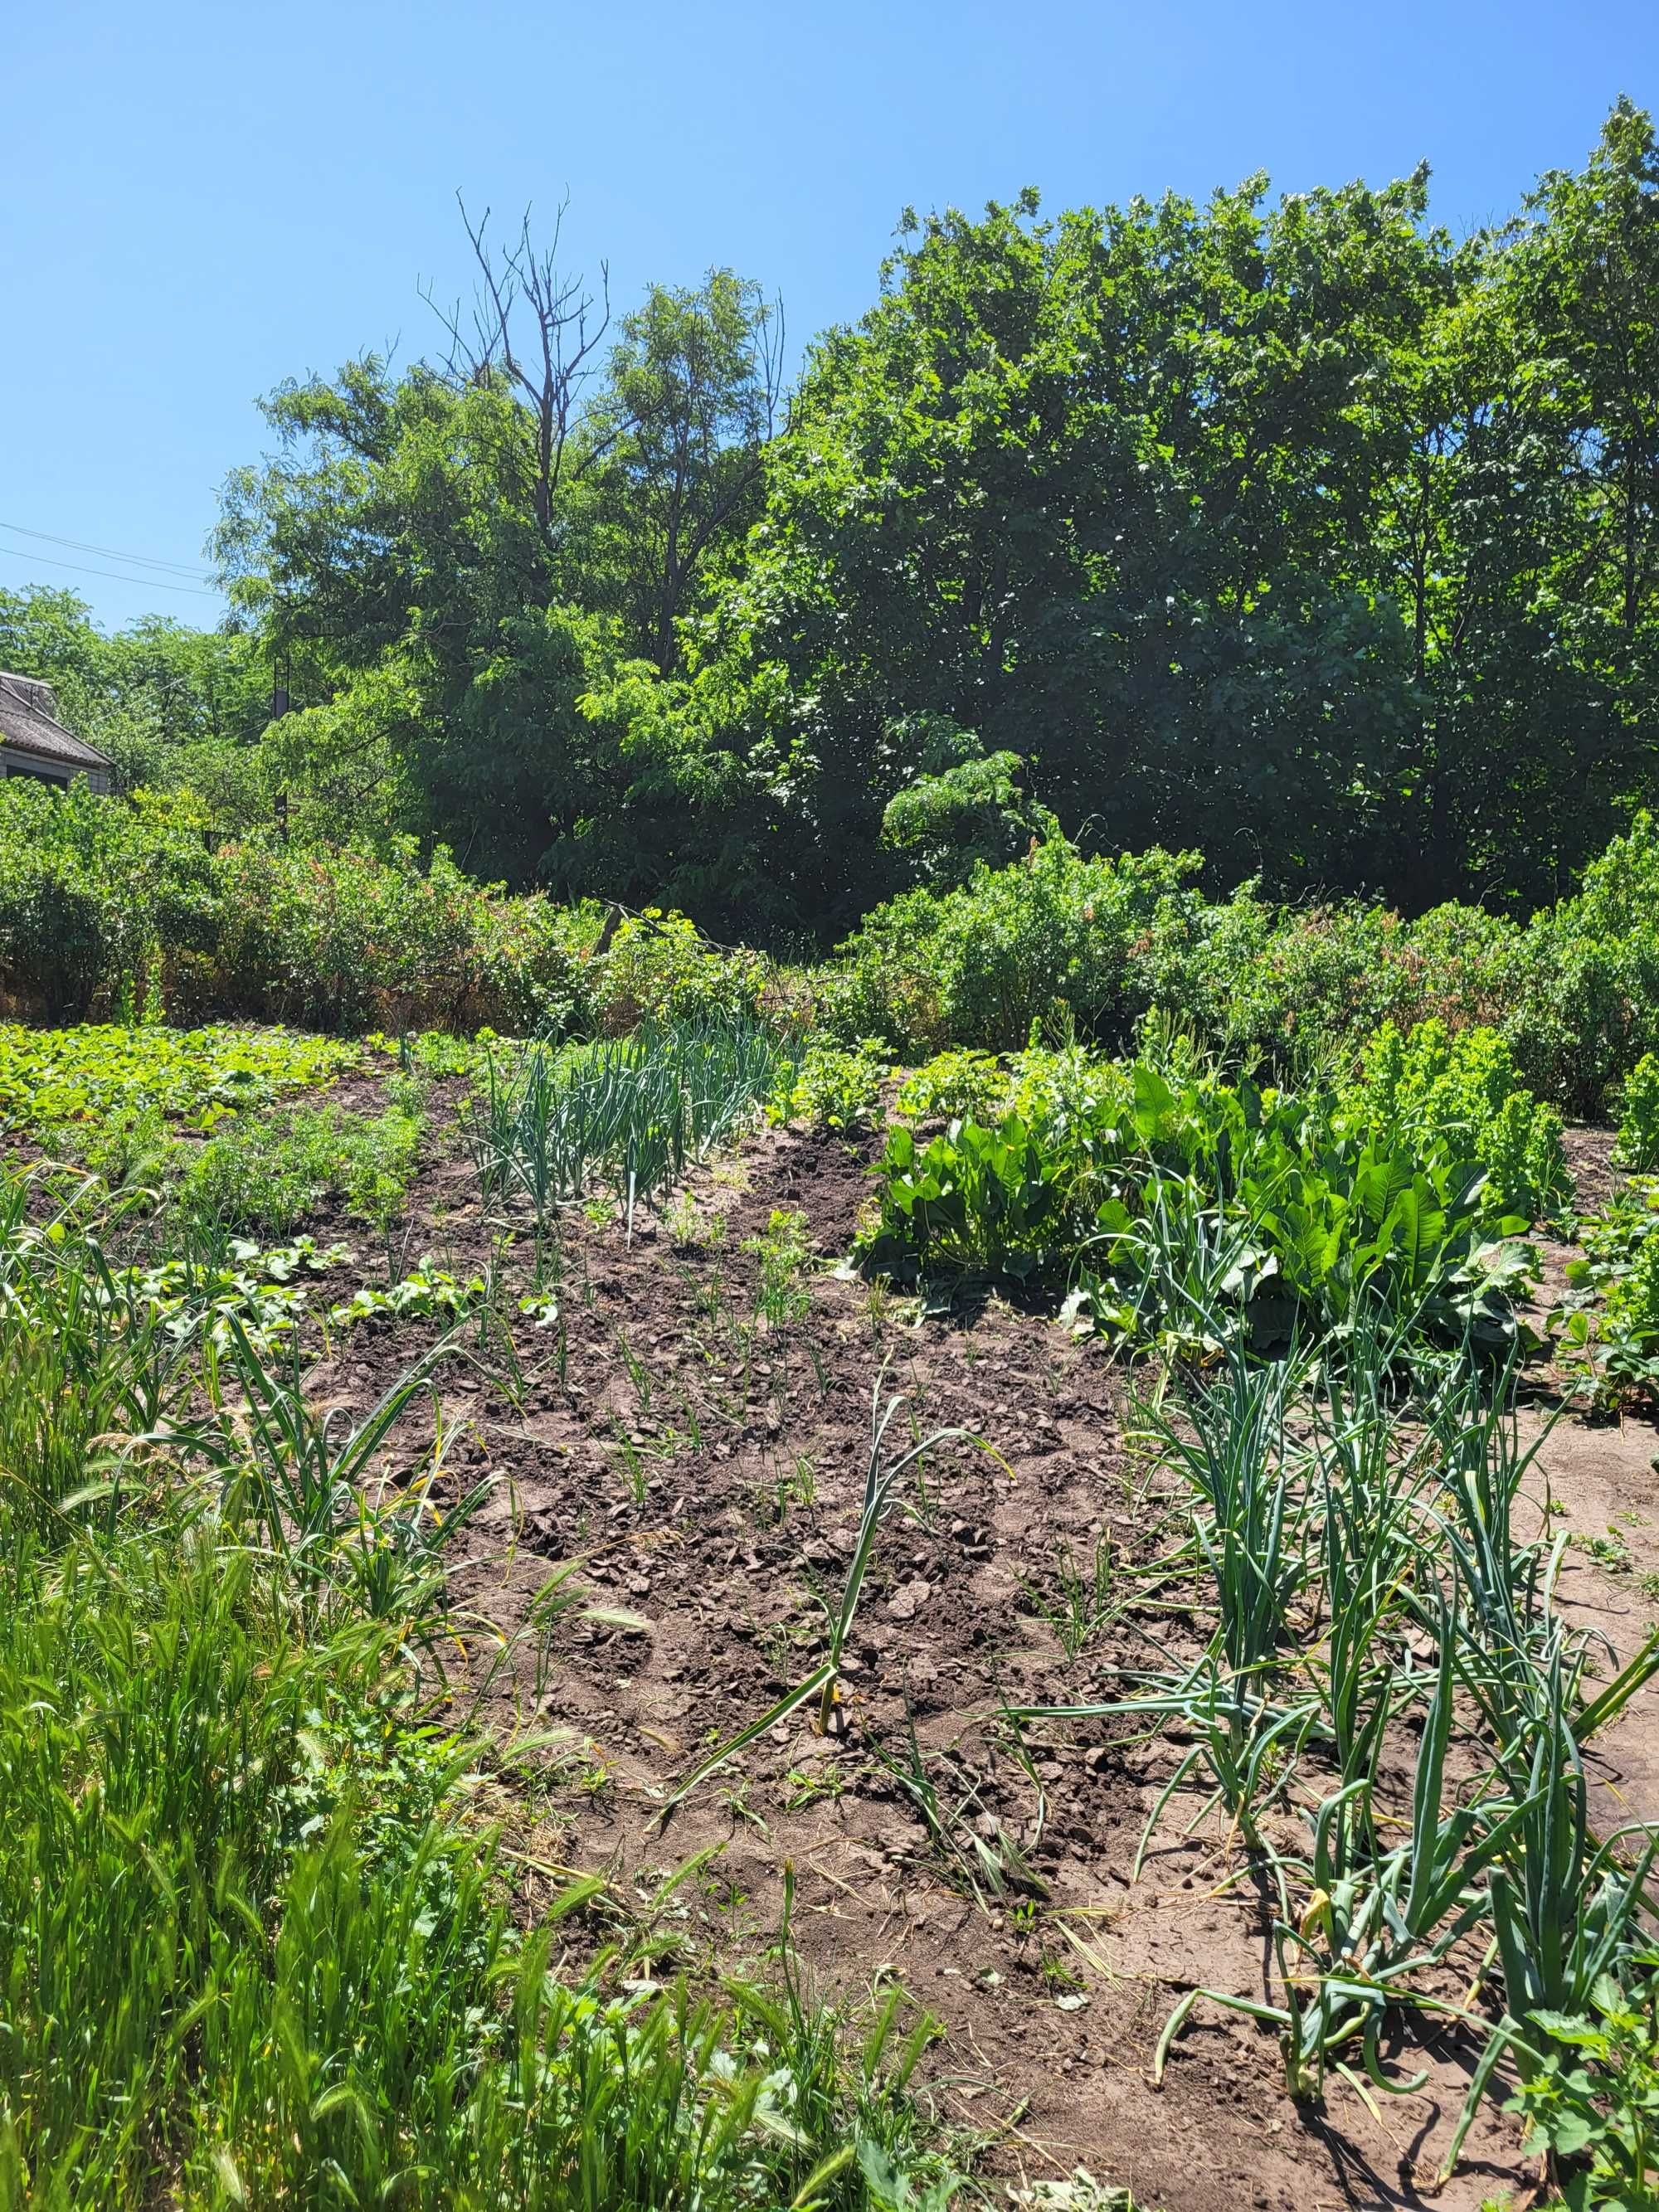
(784, 1254)
(693, 1228)
(824, 1786)
(881, 1481)
(639, 1373)
(1610, 1553)
(1082, 1603)
(267, 1175)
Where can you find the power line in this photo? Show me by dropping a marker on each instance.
(111, 552)
(149, 583)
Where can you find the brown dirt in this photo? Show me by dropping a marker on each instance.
(746, 1492)
(1589, 1163)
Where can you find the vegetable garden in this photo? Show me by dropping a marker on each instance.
(696, 1607)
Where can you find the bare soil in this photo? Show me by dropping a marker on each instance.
(709, 1483)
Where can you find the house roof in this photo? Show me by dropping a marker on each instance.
(28, 721)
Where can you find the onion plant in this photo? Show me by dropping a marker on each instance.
(1566, 1909)
(626, 1114)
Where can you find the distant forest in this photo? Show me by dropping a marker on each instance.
(1293, 531)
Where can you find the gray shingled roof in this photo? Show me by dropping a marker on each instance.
(28, 721)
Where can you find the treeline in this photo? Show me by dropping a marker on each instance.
(136, 911)
(1296, 531)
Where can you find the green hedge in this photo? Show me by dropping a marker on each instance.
(104, 902)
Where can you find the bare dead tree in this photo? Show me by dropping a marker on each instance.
(522, 290)
(693, 433)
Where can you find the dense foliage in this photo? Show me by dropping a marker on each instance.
(1163, 1195)
(1293, 532)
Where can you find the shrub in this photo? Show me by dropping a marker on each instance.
(660, 964)
(1586, 987)
(92, 891)
(1099, 943)
(339, 940)
(1054, 930)
(89, 886)
(1296, 991)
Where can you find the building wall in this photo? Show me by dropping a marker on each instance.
(54, 772)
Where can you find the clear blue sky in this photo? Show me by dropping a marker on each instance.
(201, 200)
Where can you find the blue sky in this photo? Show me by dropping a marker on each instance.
(199, 201)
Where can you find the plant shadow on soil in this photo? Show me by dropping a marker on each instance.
(710, 1504)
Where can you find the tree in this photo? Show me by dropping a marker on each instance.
(1102, 491)
(691, 399)
(1290, 529)
(158, 697)
(964, 807)
(442, 563)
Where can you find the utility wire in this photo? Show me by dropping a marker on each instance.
(112, 553)
(149, 583)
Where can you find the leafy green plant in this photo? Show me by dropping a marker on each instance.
(1435, 1084)
(1639, 1116)
(1185, 1208)
(1591, 2098)
(427, 1292)
(835, 1086)
(195, 1297)
(1607, 1329)
(95, 1074)
(975, 1200)
(964, 1083)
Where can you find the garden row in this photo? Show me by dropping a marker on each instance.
(1150, 1200)
(116, 908)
